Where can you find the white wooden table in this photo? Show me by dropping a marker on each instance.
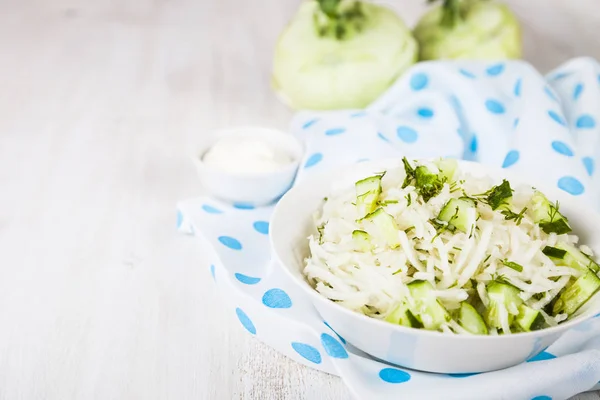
(100, 100)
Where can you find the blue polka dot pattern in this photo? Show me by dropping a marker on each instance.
(230, 242)
(276, 298)
(562, 148)
(244, 206)
(585, 122)
(516, 123)
(544, 355)
(465, 375)
(313, 160)
(588, 163)
(466, 73)
(212, 271)
(406, 134)
(333, 347)
(380, 136)
(309, 123)
(473, 145)
(571, 185)
(543, 397)
(247, 280)
(211, 209)
(308, 352)
(179, 219)
(494, 106)
(335, 131)
(358, 114)
(495, 70)
(551, 94)
(556, 117)
(577, 90)
(517, 89)
(560, 76)
(425, 112)
(261, 227)
(246, 321)
(419, 81)
(511, 158)
(393, 375)
(337, 334)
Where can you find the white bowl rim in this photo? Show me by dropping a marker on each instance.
(247, 131)
(402, 329)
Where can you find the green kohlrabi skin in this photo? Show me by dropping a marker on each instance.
(317, 72)
(488, 31)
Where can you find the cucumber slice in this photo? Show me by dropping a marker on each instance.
(386, 225)
(499, 196)
(460, 213)
(428, 183)
(362, 240)
(577, 293)
(428, 310)
(501, 294)
(447, 167)
(547, 216)
(529, 319)
(367, 194)
(471, 320)
(401, 315)
(571, 256)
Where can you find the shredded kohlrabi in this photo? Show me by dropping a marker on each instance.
(428, 246)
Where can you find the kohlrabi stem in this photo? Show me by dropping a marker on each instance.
(454, 11)
(339, 19)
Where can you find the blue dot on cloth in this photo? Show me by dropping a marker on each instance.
(380, 136)
(554, 115)
(550, 94)
(310, 123)
(577, 90)
(464, 375)
(406, 134)
(585, 122)
(179, 219)
(542, 398)
(517, 89)
(276, 298)
(333, 347)
(358, 114)
(511, 158)
(230, 242)
(466, 73)
(544, 355)
(362, 160)
(494, 106)
(473, 145)
(246, 322)
(425, 112)
(261, 227)
(588, 163)
(393, 375)
(244, 206)
(247, 280)
(212, 271)
(571, 185)
(307, 351)
(335, 131)
(419, 81)
(560, 76)
(562, 148)
(495, 70)
(516, 123)
(211, 209)
(313, 160)
(337, 334)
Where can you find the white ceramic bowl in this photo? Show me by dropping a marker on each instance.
(418, 349)
(250, 189)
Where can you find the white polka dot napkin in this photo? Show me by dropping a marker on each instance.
(500, 114)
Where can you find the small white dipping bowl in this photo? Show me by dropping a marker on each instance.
(250, 189)
(418, 349)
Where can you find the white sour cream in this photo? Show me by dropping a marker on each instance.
(245, 156)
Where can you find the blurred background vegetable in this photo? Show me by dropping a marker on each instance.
(340, 54)
(468, 29)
